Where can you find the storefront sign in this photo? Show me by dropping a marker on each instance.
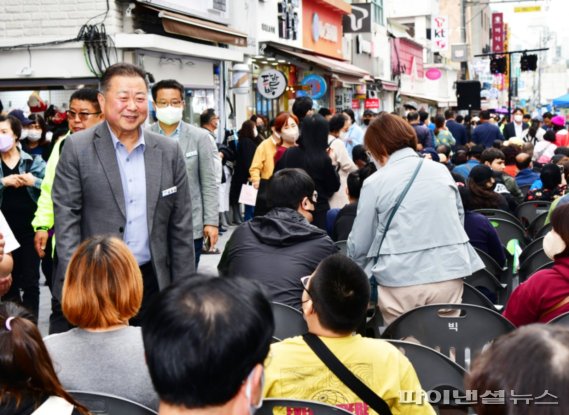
(439, 29)
(321, 29)
(356, 104)
(271, 83)
(371, 104)
(268, 28)
(316, 86)
(497, 32)
(433, 74)
(359, 21)
(362, 45)
(241, 79)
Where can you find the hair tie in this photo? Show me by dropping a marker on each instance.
(8, 323)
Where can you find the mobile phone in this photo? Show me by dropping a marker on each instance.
(206, 244)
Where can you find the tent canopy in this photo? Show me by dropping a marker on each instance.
(562, 101)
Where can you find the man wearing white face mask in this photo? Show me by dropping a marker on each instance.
(545, 295)
(196, 148)
(227, 379)
(517, 126)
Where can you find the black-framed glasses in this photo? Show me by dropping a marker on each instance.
(313, 198)
(304, 281)
(173, 103)
(83, 116)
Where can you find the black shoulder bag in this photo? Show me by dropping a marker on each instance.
(345, 375)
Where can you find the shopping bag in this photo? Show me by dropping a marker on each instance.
(248, 195)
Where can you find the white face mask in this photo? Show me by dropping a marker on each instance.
(518, 118)
(169, 115)
(291, 135)
(34, 135)
(255, 133)
(24, 134)
(553, 244)
(248, 393)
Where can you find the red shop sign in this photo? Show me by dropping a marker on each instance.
(371, 104)
(355, 104)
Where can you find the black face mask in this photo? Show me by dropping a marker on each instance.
(366, 121)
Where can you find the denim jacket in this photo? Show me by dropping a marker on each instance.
(28, 164)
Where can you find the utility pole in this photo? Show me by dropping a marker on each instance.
(463, 65)
(510, 69)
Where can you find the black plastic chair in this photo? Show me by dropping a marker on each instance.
(508, 230)
(463, 336)
(533, 263)
(105, 404)
(528, 211)
(499, 214)
(537, 224)
(543, 231)
(471, 295)
(532, 248)
(274, 406)
(342, 247)
(491, 265)
(485, 282)
(289, 322)
(562, 319)
(434, 370)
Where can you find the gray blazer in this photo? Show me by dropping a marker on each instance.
(200, 166)
(88, 200)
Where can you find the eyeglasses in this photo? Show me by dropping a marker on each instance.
(173, 103)
(304, 280)
(83, 116)
(314, 197)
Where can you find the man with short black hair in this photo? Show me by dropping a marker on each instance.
(458, 130)
(423, 133)
(189, 375)
(526, 175)
(302, 108)
(326, 113)
(547, 116)
(505, 184)
(334, 304)
(168, 102)
(282, 246)
(486, 133)
(517, 126)
(355, 133)
(473, 160)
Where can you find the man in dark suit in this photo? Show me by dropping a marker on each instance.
(515, 128)
(457, 130)
(118, 179)
(486, 133)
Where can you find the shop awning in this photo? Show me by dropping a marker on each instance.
(332, 65)
(435, 101)
(388, 85)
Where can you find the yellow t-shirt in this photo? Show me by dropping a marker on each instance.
(293, 371)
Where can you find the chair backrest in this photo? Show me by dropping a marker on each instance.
(532, 248)
(499, 214)
(434, 370)
(528, 211)
(274, 406)
(471, 295)
(105, 404)
(537, 224)
(289, 322)
(543, 231)
(439, 327)
(533, 263)
(491, 265)
(562, 319)
(508, 231)
(485, 282)
(342, 247)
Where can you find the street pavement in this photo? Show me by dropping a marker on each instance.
(208, 265)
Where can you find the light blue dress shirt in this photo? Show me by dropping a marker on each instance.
(175, 135)
(133, 178)
(356, 135)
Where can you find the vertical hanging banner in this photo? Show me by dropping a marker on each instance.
(497, 32)
(439, 30)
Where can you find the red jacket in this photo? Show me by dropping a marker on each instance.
(542, 291)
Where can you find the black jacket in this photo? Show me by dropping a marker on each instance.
(277, 250)
(510, 130)
(344, 222)
(244, 154)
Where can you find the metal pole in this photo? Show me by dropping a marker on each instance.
(509, 87)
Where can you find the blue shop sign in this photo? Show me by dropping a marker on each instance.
(317, 86)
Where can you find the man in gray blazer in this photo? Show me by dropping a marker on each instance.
(168, 96)
(118, 179)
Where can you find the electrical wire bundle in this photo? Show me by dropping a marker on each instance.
(97, 47)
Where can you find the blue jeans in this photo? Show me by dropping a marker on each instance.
(249, 212)
(198, 245)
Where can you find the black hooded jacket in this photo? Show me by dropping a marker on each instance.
(277, 250)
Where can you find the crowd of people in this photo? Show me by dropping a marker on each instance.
(118, 212)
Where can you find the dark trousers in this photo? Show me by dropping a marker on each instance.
(25, 288)
(58, 323)
(198, 245)
(47, 262)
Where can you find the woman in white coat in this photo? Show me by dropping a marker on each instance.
(424, 253)
(339, 125)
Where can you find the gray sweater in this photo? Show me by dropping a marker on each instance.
(110, 362)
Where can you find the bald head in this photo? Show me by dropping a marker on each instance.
(523, 161)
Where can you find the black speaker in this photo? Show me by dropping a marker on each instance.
(468, 95)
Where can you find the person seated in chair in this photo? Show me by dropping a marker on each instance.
(334, 303)
(205, 340)
(282, 246)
